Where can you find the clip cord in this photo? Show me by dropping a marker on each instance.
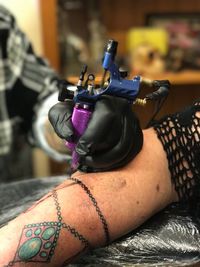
(160, 96)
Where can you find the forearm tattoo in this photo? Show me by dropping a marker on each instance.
(94, 202)
(38, 241)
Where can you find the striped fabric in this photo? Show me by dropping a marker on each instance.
(25, 81)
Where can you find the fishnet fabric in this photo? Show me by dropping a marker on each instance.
(180, 136)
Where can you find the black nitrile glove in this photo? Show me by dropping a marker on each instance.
(60, 118)
(113, 136)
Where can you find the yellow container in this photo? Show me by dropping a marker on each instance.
(155, 37)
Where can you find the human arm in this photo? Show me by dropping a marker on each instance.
(27, 82)
(126, 197)
(28, 78)
(133, 193)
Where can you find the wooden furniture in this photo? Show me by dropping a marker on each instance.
(48, 11)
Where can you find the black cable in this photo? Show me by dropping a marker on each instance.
(160, 96)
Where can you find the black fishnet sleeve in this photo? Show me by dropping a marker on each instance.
(180, 136)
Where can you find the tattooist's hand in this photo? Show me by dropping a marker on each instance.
(113, 136)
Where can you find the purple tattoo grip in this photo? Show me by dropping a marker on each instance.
(80, 119)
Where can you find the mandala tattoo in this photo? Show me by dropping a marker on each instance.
(38, 241)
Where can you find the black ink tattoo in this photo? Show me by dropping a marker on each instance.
(38, 241)
(94, 202)
(74, 232)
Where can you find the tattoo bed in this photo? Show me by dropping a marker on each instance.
(176, 242)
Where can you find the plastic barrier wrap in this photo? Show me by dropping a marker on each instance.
(170, 238)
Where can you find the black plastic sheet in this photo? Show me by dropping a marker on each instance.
(170, 238)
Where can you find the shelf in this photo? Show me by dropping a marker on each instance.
(176, 78)
(179, 78)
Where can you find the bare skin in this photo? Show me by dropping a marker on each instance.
(89, 210)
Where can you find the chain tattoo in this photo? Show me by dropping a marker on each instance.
(100, 214)
(38, 240)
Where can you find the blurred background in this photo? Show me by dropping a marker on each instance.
(158, 39)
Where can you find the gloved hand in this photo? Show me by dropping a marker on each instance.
(113, 136)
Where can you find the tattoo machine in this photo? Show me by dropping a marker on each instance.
(86, 94)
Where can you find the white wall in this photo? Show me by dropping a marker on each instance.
(27, 14)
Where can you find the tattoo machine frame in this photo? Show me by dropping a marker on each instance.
(86, 95)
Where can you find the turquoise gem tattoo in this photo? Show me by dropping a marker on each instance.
(38, 241)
